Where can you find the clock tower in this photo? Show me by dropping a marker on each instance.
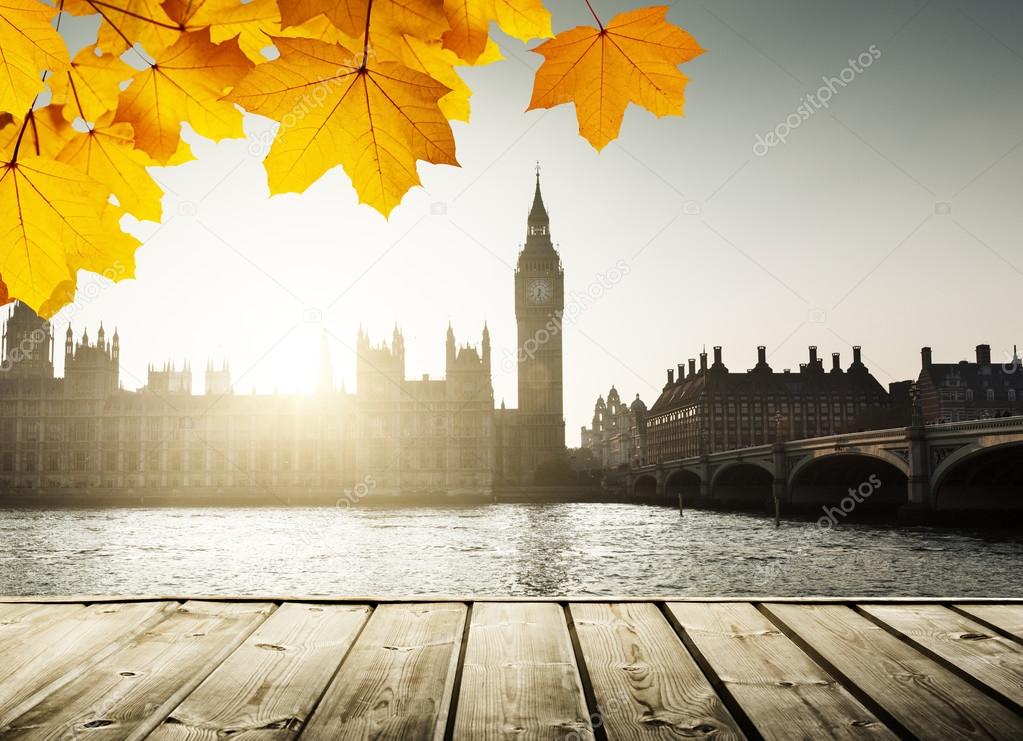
(539, 305)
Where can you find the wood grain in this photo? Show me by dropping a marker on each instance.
(927, 699)
(968, 645)
(18, 621)
(131, 691)
(62, 650)
(1005, 617)
(646, 684)
(782, 691)
(398, 679)
(268, 687)
(519, 677)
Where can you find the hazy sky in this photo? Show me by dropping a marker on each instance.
(890, 219)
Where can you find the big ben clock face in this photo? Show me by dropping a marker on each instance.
(539, 291)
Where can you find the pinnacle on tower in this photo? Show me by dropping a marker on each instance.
(538, 233)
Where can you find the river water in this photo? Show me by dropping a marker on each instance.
(499, 549)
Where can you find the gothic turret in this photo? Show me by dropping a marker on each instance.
(27, 344)
(486, 347)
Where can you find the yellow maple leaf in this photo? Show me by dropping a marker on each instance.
(470, 23)
(55, 221)
(424, 19)
(107, 154)
(44, 135)
(375, 120)
(128, 22)
(28, 46)
(252, 22)
(187, 83)
(91, 84)
(633, 59)
(430, 58)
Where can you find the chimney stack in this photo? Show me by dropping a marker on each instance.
(681, 371)
(983, 354)
(671, 376)
(703, 361)
(836, 362)
(813, 356)
(692, 366)
(927, 357)
(717, 355)
(762, 355)
(857, 355)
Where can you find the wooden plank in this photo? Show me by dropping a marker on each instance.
(646, 684)
(1004, 617)
(519, 677)
(58, 652)
(19, 620)
(965, 643)
(131, 691)
(385, 599)
(267, 689)
(928, 700)
(780, 689)
(398, 680)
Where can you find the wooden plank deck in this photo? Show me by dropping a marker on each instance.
(261, 669)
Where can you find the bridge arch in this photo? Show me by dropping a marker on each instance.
(864, 481)
(747, 484)
(882, 455)
(645, 486)
(683, 485)
(980, 477)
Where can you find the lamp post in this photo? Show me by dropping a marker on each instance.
(779, 446)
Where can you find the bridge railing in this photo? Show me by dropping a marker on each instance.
(1000, 425)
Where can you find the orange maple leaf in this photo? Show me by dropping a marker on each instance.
(44, 135)
(422, 18)
(187, 83)
(251, 22)
(55, 220)
(376, 120)
(633, 59)
(106, 153)
(28, 45)
(470, 23)
(128, 22)
(91, 84)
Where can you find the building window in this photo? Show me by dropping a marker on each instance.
(1012, 394)
(990, 394)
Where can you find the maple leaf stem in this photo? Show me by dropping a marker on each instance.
(21, 134)
(594, 14)
(365, 44)
(78, 102)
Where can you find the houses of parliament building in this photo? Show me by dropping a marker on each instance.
(393, 436)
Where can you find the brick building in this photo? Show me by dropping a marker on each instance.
(955, 392)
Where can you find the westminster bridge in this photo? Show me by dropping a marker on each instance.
(974, 466)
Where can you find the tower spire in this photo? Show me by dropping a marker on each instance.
(538, 233)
